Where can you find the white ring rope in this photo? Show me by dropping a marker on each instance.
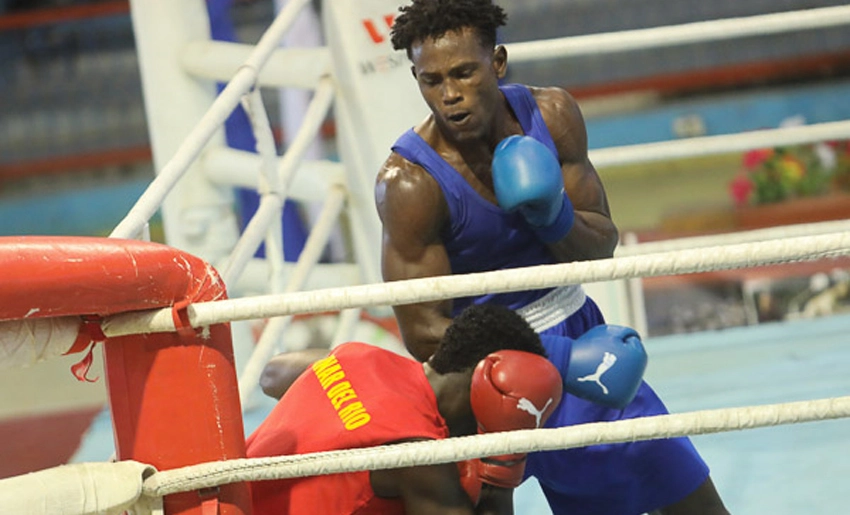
(706, 259)
(728, 28)
(785, 231)
(720, 144)
(463, 448)
(267, 215)
(239, 168)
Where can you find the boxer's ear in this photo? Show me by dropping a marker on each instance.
(500, 61)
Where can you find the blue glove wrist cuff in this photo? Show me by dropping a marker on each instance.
(560, 226)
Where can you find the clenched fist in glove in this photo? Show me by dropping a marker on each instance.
(512, 390)
(527, 178)
(605, 365)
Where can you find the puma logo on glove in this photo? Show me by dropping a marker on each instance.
(607, 362)
(526, 405)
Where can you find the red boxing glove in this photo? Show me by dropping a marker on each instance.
(469, 479)
(512, 390)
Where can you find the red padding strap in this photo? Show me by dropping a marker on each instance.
(81, 368)
(180, 316)
(90, 332)
(89, 336)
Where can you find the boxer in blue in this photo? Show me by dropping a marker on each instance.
(498, 177)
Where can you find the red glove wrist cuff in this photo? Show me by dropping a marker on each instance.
(504, 474)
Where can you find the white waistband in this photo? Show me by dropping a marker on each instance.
(554, 307)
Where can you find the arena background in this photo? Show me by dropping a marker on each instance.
(74, 155)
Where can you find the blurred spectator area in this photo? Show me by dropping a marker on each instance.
(71, 112)
(73, 133)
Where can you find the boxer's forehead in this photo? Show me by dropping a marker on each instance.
(447, 51)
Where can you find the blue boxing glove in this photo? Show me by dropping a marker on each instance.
(605, 365)
(527, 178)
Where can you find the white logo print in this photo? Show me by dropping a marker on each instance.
(526, 405)
(608, 360)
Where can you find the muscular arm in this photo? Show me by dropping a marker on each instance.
(437, 490)
(593, 235)
(412, 211)
(425, 490)
(283, 369)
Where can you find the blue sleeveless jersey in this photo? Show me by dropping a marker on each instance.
(481, 237)
(617, 479)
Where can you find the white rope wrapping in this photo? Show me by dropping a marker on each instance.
(27, 342)
(532, 440)
(706, 259)
(78, 489)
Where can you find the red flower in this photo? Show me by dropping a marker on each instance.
(740, 189)
(842, 145)
(754, 158)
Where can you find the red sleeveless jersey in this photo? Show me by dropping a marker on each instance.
(360, 396)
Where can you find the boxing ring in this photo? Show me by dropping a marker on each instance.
(130, 303)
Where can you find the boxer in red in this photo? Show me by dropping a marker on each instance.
(489, 374)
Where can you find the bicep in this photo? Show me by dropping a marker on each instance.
(594, 234)
(584, 187)
(581, 180)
